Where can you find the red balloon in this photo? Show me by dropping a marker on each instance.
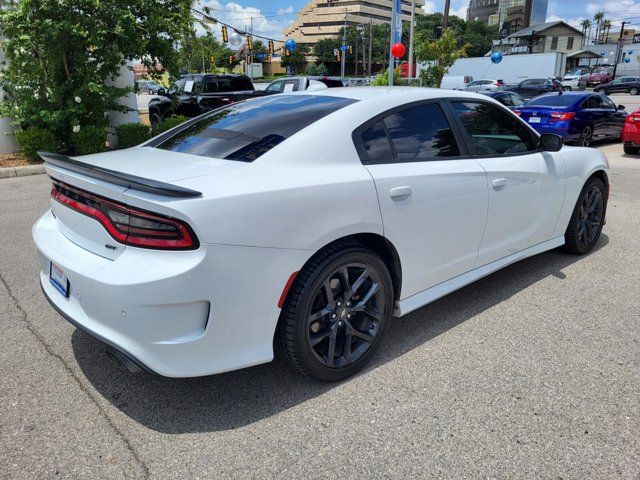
(397, 50)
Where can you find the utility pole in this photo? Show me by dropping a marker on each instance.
(413, 16)
(344, 46)
(250, 66)
(370, 43)
(393, 36)
(619, 50)
(445, 20)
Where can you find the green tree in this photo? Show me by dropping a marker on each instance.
(323, 50)
(297, 59)
(60, 53)
(440, 54)
(478, 37)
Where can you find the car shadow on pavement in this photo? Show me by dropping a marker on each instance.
(236, 399)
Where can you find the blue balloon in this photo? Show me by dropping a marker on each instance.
(630, 52)
(496, 57)
(602, 54)
(290, 45)
(627, 60)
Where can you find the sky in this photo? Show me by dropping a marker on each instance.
(270, 17)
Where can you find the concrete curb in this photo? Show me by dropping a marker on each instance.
(11, 172)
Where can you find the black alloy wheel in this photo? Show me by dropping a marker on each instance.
(336, 313)
(633, 91)
(586, 136)
(588, 218)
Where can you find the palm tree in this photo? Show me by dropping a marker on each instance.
(598, 18)
(606, 25)
(586, 25)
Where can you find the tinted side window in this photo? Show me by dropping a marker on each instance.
(275, 87)
(506, 100)
(210, 85)
(377, 145)
(607, 103)
(421, 133)
(493, 131)
(240, 83)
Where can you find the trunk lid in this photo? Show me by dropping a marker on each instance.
(148, 165)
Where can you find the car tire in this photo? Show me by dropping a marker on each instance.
(631, 150)
(543, 92)
(633, 91)
(317, 334)
(567, 89)
(150, 92)
(586, 137)
(587, 218)
(154, 119)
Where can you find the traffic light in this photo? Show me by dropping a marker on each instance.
(248, 42)
(268, 60)
(231, 58)
(225, 35)
(212, 59)
(336, 53)
(350, 50)
(271, 50)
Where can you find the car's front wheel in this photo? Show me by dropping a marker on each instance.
(633, 91)
(336, 313)
(587, 219)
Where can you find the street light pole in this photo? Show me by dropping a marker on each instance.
(370, 44)
(411, 27)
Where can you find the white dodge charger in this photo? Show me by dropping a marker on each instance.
(304, 222)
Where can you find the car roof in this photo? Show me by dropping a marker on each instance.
(401, 94)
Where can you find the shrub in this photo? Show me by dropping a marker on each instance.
(170, 122)
(317, 70)
(88, 140)
(33, 139)
(132, 134)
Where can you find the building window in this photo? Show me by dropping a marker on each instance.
(554, 43)
(570, 43)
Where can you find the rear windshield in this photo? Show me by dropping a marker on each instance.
(245, 131)
(226, 84)
(552, 101)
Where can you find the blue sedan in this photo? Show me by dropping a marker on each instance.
(578, 117)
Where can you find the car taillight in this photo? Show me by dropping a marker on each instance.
(562, 116)
(632, 119)
(127, 225)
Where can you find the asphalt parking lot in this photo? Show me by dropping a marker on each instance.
(532, 372)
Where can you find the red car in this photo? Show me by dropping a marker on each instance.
(631, 133)
(600, 76)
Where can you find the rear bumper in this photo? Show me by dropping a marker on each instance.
(177, 314)
(631, 134)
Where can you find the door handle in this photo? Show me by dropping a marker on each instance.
(499, 183)
(400, 191)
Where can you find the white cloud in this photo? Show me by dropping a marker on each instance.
(615, 9)
(461, 11)
(429, 7)
(239, 17)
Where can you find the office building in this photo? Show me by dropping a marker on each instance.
(320, 19)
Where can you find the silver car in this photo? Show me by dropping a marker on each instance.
(483, 85)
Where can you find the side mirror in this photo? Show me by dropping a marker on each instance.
(620, 108)
(550, 142)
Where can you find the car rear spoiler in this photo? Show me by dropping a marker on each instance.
(118, 178)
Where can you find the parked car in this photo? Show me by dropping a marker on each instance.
(631, 133)
(600, 76)
(148, 86)
(533, 87)
(573, 79)
(578, 117)
(306, 221)
(508, 99)
(455, 82)
(193, 95)
(480, 85)
(620, 85)
(296, 84)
